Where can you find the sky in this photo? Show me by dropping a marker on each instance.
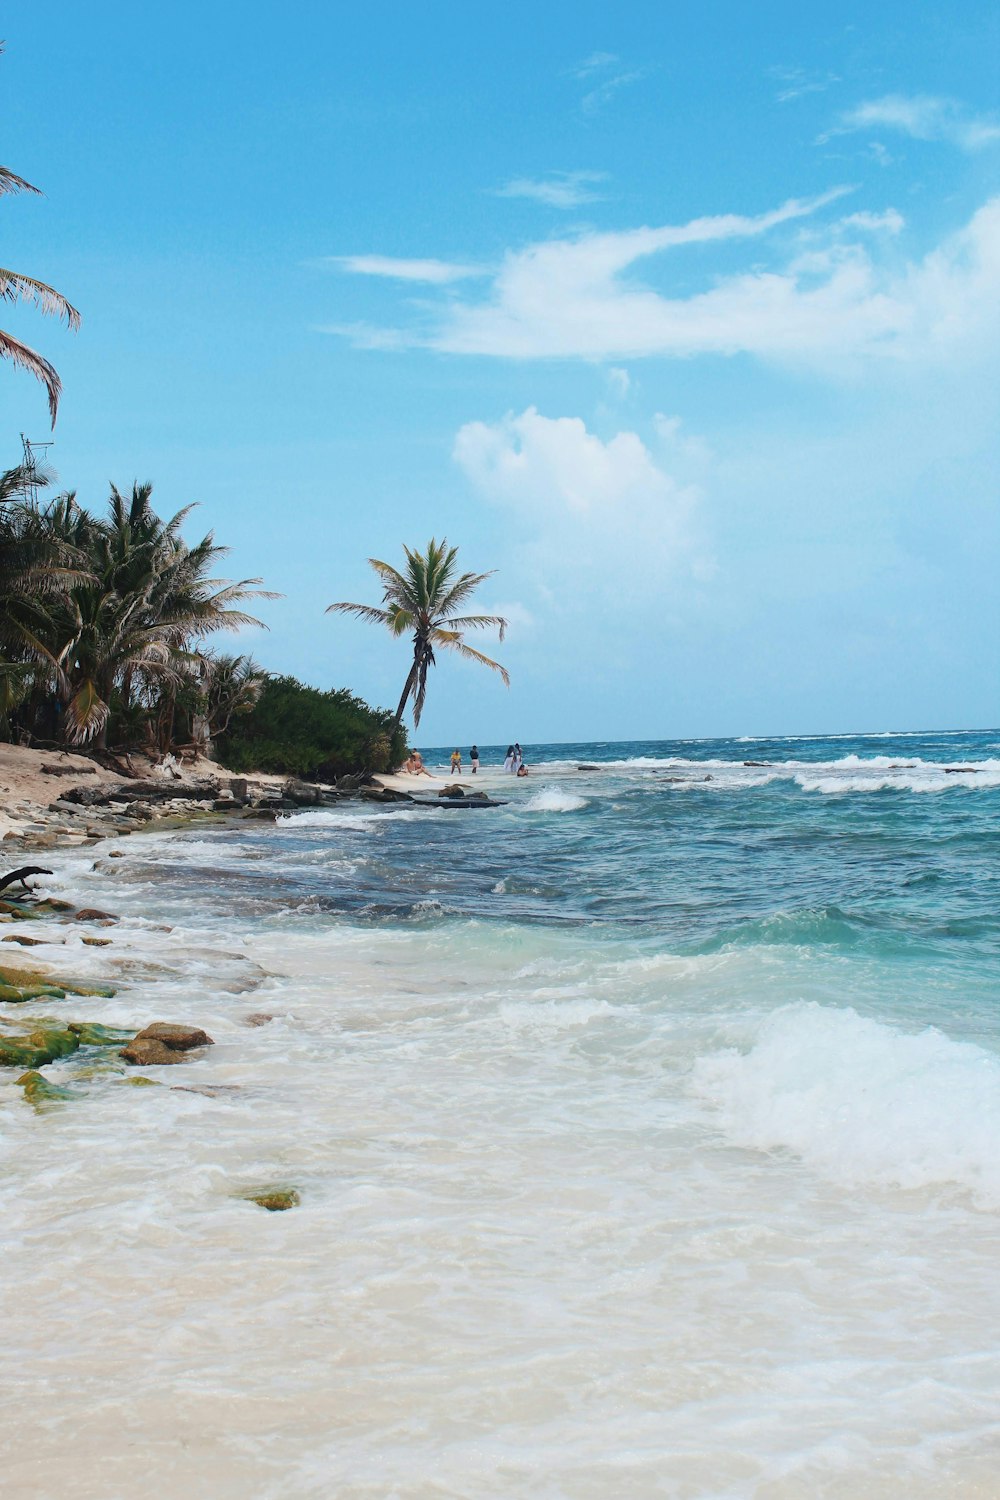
(684, 319)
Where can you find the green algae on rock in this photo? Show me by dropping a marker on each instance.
(93, 1034)
(39, 1091)
(36, 1048)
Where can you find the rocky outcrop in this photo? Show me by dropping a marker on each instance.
(164, 1043)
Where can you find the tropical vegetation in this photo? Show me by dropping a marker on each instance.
(104, 619)
(297, 730)
(427, 597)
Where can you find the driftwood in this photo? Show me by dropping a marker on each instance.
(69, 770)
(141, 791)
(21, 876)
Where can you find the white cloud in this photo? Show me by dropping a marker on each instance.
(435, 272)
(572, 298)
(558, 189)
(586, 507)
(889, 222)
(605, 70)
(924, 118)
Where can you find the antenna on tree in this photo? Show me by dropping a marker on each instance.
(31, 466)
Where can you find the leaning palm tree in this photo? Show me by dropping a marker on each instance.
(426, 597)
(16, 287)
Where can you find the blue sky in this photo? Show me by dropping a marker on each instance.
(685, 320)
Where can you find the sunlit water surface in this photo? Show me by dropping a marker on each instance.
(647, 1131)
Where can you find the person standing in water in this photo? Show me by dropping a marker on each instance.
(508, 760)
(474, 759)
(518, 757)
(456, 762)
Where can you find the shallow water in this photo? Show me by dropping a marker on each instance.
(647, 1131)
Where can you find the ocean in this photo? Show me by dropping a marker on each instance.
(647, 1132)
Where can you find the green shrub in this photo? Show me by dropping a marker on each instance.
(300, 731)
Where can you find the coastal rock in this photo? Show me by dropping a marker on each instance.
(258, 1018)
(386, 794)
(27, 942)
(141, 811)
(92, 914)
(179, 1038)
(275, 1200)
(37, 1048)
(148, 1053)
(39, 1091)
(302, 793)
(93, 1034)
(91, 942)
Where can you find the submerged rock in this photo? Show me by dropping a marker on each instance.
(91, 914)
(164, 1043)
(257, 1018)
(275, 1200)
(39, 1091)
(148, 1053)
(93, 1034)
(37, 1048)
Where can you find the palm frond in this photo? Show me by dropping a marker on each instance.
(454, 642)
(363, 612)
(27, 359)
(15, 287)
(11, 183)
(478, 622)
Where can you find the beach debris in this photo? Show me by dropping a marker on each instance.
(69, 770)
(275, 1200)
(20, 876)
(163, 1043)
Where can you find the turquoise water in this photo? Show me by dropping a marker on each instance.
(647, 1130)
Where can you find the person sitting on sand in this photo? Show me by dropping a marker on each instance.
(456, 762)
(418, 768)
(522, 769)
(474, 759)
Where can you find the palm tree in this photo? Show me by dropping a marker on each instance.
(134, 620)
(16, 287)
(426, 598)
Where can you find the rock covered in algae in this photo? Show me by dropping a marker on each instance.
(18, 985)
(37, 1048)
(39, 1091)
(275, 1200)
(93, 1034)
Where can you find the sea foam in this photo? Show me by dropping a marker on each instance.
(554, 799)
(861, 1101)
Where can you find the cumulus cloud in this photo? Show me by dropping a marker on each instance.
(575, 298)
(558, 189)
(606, 508)
(924, 117)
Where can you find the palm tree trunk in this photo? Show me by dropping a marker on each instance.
(406, 693)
